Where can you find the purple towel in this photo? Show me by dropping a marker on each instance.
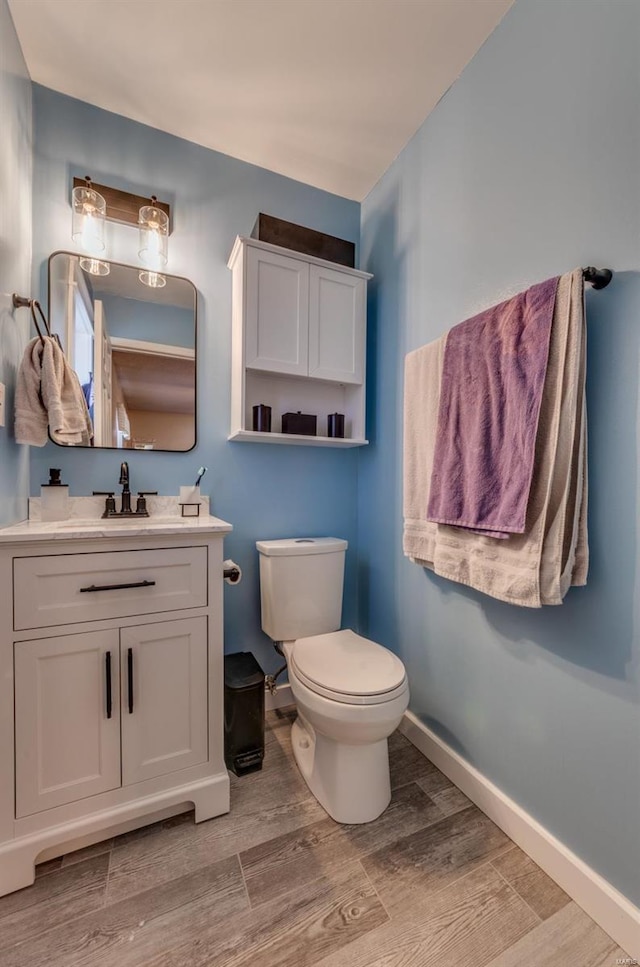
(492, 380)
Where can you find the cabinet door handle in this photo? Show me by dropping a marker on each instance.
(118, 587)
(107, 662)
(130, 678)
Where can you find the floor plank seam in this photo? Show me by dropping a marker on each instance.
(149, 919)
(282, 894)
(373, 887)
(410, 782)
(463, 876)
(515, 890)
(41, 876)
(106, 882)
(364, 853)
(39, 934)
(244, 881)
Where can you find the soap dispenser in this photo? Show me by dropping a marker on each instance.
(54, 497)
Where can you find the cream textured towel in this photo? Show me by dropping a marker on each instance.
(62, 395)
(48, 394)
(539, 566)
(31, 420)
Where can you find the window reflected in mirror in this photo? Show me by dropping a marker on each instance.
(134, 349)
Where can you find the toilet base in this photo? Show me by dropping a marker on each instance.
(350, 781)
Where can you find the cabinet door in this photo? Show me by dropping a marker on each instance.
(277, 313)
(164, 698)
(67, 719)
(336, 325)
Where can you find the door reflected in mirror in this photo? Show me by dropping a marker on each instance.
(133, 348)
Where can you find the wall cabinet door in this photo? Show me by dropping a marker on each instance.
(164, 698)
(67, 719)
(336, 325)
(277, 313)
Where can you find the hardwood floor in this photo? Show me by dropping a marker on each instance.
(277, 883)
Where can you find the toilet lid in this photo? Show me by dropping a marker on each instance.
(348, 665)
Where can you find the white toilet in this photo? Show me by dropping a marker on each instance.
(351, 693)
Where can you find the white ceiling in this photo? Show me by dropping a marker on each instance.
(156, 384)
(324, 91)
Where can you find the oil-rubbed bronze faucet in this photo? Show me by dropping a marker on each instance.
(125, 509)
(126, 493)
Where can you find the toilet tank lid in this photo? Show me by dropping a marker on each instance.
(291, 546)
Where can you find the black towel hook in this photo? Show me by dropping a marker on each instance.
(599, 278)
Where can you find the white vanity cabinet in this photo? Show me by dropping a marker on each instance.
(111, 687)
(67, 743)
(299, 335)
(99, 710)
(163, 698)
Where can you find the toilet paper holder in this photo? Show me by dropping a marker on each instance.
(232, 574)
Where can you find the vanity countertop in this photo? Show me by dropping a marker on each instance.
(84, 521)
(67, 530)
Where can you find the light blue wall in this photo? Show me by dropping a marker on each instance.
(15, 255)
(133, 319)
(265, 491)
(529, 166)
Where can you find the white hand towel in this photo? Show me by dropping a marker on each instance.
(63, 398)
(30, 416)
(49, 395)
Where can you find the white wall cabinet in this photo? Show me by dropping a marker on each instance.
(277, 314)
(111, 689)
(337, 325)
(299, 335)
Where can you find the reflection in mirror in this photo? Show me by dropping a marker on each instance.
(134, 350)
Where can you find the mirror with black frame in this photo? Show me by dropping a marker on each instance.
(133, 347)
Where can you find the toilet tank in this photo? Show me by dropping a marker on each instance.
(301, 586)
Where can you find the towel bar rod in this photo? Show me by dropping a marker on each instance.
(599, 278)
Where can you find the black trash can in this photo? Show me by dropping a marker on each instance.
(243, 713)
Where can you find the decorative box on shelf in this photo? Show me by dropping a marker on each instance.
(307, 241)
(302, 423)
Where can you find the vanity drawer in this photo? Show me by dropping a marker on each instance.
(69, 588)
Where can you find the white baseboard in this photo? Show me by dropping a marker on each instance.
(283, 696)
(607, 906)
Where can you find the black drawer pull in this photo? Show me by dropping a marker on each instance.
(118, 587)
(107, 661)
(130, 678)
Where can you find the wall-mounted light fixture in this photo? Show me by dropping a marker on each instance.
(87, 226)
(153, 243)
(151, 219)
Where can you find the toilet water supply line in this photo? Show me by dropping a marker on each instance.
(270, 680)
(232, 574)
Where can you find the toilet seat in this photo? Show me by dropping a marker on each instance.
(348, 668)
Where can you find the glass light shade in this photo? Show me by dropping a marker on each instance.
(89, 212)
(95, 266)
(154, 238)
(153, 279)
